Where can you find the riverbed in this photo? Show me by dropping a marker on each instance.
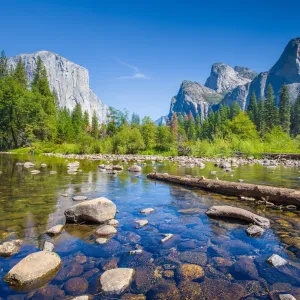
(234, 264)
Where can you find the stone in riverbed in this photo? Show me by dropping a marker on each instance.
(76, 286)
(34, 270)
(148, 210)
(286, 297)
(276, 261)
(43, 165)
(48, 246)
(141, 223)
(101, 241)
(35, 172)
(167, 236)
(245, 269)
(163, 291)
(106, 230)
(79, 198)
(113, 222)
(83, 297)
(10, 248)
(189, 272)
(98, 210)
(116, 281)
(135, 168)
(55, 230)
(28, 165)
(255, 230)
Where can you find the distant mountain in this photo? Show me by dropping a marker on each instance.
(162, 121)
(69, 80)
(285, 71)
(224, 78)
(194, 97)
(226, 85)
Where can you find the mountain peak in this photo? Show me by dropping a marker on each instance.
(288, 65)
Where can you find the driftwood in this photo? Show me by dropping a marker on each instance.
(237, 213)
(273, 194)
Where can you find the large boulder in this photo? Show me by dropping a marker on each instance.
(116, 281)
(98, 210)
(34, 270)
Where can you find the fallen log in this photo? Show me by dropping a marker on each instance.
(273, 194)
(237, 213)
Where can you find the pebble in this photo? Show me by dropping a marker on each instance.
(48, 246)
(286, 297)
(148, 210)
(255, 230)
(167, 236)
(101, 241)
(34, 172)
(276, 261)
(113, 222)
(133, 252)
(79, 198)
(141, 223)
(106, 230)
(55, 230)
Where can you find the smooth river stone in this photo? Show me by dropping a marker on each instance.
(141, 223)
(135, 168)
(99, 210)
(55, 230)
(106, 230)
(116, 281)
(34, 270)
(148, 210)
(79, 198)
(255, 230)
(276, 261)
(10, 248)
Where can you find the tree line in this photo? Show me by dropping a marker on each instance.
(31, 116)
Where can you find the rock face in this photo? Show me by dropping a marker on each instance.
(195, 98)
(69, 80)
(285, 71)
(224, 78)
(116, 281)
(34, 270)
(98, 210)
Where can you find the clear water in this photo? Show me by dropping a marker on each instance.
(29, 204)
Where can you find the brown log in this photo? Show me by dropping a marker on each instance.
(273, 194)
(237, 213)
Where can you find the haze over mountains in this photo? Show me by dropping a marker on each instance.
(226, 85)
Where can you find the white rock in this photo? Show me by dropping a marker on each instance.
(34, 270)
(43, 165)
(286, 297)
(167, 236)
(116, 281)
(84, 297)
(48, 246)
(133, 252)
(101, 241)
(69, 80)
(141, 223)
(106, 230)
(79, 198)
(10, 248)
(28, 165)
(113, 222)
(255, 230)
(148, 210)
(34, 172)
(55, 230)
(276, 261)
(52, 172)
(99, 210)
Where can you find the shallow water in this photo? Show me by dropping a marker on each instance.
(29, 204)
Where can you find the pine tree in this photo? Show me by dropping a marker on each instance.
(252, 109)
(295, 126)
(3, 65)
(174, 126)
(235, 109)
(260, 122)
(77, 119)
(285, 109)
(95, 125)
(135, 119)
(271, 112)
(198, 127)
(20, 73)
(86, 121)
(190, 128)
(40, 82)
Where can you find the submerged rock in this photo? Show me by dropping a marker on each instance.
(190, 290)
(116, 281)
(101, 241)
(106, 230)
(148, 210)
(10, 248)
(55, 230)
(79, 198)
(167, 236)
(48, 246)
(135, 168)
(286, 297)
(255, 230)
(34, 270)
(245, 269)
(141, 223)
(189, 272)
(276, 261)
(28, 165)
(76, 286)
(98, 210)
(163, 291)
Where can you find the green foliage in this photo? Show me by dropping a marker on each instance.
(295, 117)
(252, 109)
(3, 65)
(270, 111)
(285, 109)
(20, 74)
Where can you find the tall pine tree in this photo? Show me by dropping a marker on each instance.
(295, 126)
(20, 73)
(95, 125)
(270, 111)
(252, 109)
(3, 65)
(285, 109)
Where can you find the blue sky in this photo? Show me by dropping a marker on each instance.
(139, 52)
